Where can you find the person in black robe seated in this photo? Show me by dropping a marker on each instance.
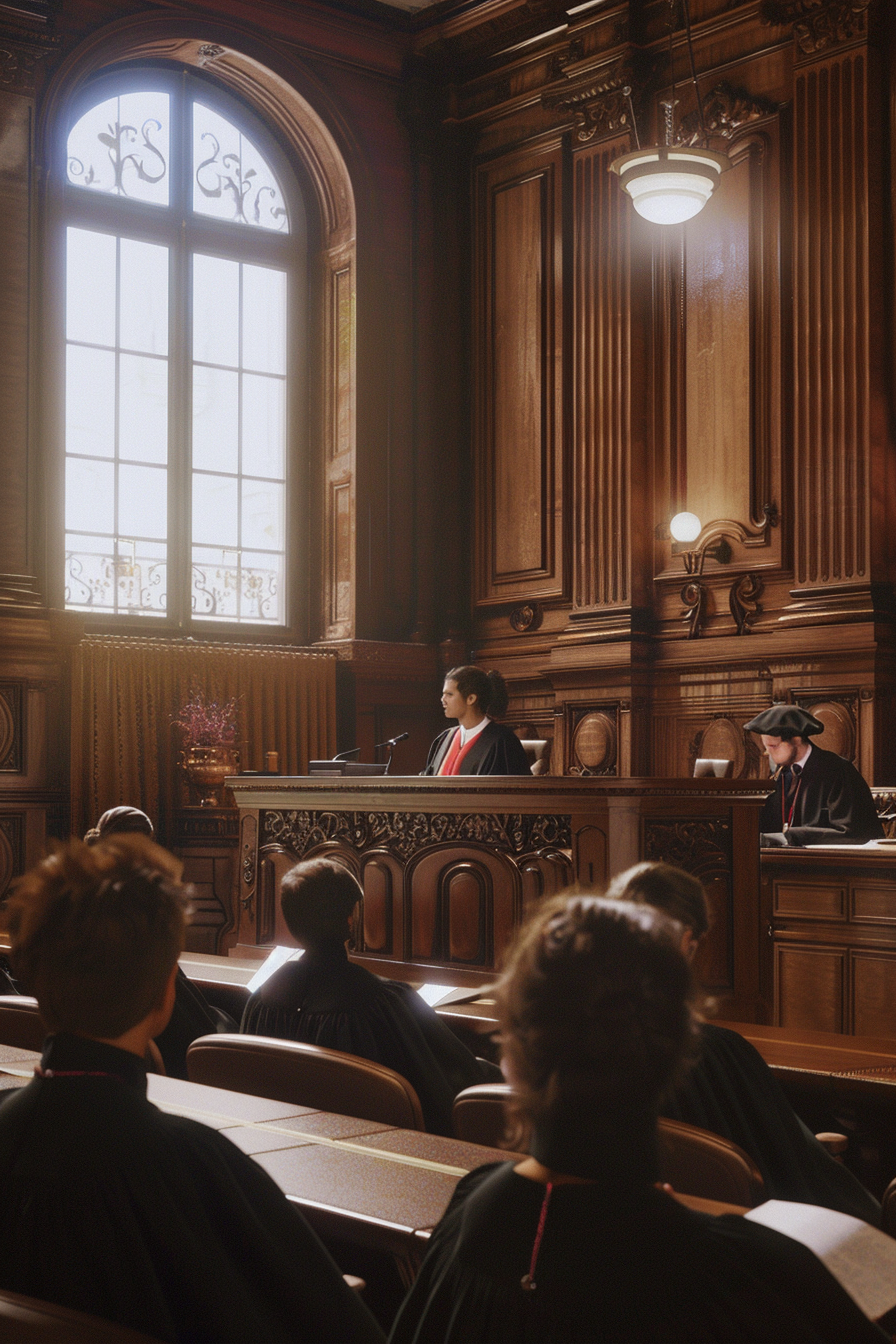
(111, 1206)
(193, 1016)
(478, 745)
(577, 1242)
(820, 798)
(324, 999)
(731, 1090)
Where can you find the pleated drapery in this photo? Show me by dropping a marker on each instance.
(127, 692)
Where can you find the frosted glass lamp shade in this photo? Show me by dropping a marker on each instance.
(669, 185)
(685, 527)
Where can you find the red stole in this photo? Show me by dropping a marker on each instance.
(456, 753)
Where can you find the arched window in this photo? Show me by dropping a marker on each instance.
(184, 255)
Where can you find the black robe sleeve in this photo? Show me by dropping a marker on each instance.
(731, 1091)
(192, 1017)
(326, 1000)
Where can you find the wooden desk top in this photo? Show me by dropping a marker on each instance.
(789, 1049)
(374, 1184)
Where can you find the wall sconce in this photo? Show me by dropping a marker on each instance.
(685, 528)
(671, 183)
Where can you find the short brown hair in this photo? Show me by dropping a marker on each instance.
(595, 1013)
(666, 888)
(317, 898)
(95, 932)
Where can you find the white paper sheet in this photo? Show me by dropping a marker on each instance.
(279, 957)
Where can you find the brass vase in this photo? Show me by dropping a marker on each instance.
(207, 768)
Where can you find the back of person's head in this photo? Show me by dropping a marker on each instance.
(96, 932)
(677, 893)
(596, 1021)
(317, 898)
(119, 821)
(489, 688)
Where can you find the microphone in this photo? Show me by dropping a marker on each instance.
(391, 742)
(344, 755)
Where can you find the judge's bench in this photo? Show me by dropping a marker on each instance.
(802, 938)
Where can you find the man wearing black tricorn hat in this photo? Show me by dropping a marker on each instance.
(819, 798)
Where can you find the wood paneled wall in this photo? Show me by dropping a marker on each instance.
(737, 366)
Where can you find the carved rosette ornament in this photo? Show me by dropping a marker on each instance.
(819, 25)
(248, 863)
(404, 834)
(725, 110)
(528, 617)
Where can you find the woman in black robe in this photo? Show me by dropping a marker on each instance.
(576, 1243)
(478, 745)
(324, 999)
(731, 1090)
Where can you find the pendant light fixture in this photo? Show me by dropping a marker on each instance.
(671, 183)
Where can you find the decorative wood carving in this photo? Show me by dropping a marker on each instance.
(528, 617)
(743, 601)
(595, 743)
(695, 596)
(12, 727)
(819, 25)
(248, 862)
(725, 110)
(603, 106)
(405, 834)
(519, 398)
(703, 848)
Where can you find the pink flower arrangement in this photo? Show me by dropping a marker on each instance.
(206, 723)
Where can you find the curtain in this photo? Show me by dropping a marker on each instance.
(125, 694)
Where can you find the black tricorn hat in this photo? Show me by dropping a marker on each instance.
(785, 721)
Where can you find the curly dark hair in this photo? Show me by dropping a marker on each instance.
(595, 1014)
(489, 688)
(95, 931)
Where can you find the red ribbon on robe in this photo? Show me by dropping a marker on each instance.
(456, 753)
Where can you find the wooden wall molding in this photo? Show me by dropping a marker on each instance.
(519, 402)
(725, 111)
(820, 25)
(603, 106)
(832, 275)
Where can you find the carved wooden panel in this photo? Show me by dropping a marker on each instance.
(809, 987)
(724, 740)
(591, 850)
(805, 900)
(211, 878)
(518, 343)
(873, 993)
(703, 848)
(602, 431)
(593, 735)
(831, 321)
(544, 874)
(463, 904)
(382, 879)
(12, 727)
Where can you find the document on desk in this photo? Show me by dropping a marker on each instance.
(861, 1259)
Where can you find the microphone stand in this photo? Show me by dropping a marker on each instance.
(391, 744)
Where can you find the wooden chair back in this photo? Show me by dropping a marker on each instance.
(25, 1320)
(692, 1161)
(305, 1075)
(21, 1024)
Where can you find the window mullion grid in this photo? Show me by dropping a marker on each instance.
(116, 540)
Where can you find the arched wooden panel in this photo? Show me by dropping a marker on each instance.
(381, 878)
(723, 740)
(464, 903)
(590, 850)
(465, 900)
(544, 874)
